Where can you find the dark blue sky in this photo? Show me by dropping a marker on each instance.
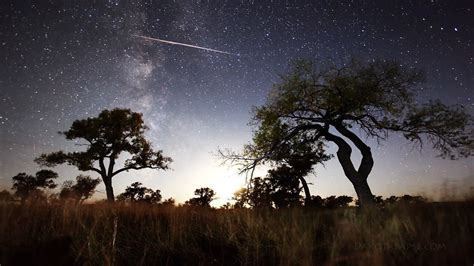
(64, 60)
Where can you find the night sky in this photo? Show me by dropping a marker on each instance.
(65, 60)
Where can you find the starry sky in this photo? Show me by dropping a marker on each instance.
(65, 60)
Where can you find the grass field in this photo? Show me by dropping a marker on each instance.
(99, 234)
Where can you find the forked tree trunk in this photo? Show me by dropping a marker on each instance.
(364, 194)
(108, 188)
(358, 177)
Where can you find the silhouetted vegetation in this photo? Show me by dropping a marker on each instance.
(270, 223)
(83, 189)
(169, 202)
(331, 202)
(136, 193)
(6, 196)
(315, 105)
(256, 195)
(204, 197)
(107, 136)
(28, 187)
(276, 191)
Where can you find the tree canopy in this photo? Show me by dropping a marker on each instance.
(204, 197)
(340, 105)
(106, 137)
(279, 189)
(83, 189)
(28, 186)
(136, 193)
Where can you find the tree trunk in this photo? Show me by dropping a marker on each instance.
(307, 200)
(358, 177)
(109, 189)
(364, 194)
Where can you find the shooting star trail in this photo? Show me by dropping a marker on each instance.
(182, 44)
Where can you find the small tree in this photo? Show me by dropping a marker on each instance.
(83, 189)
(241, 198)
(331, 105)
(204, 197)
(169, 202)
(316, 202)
(257, 195)
(294, 161)
(106, 137)
(27, 186)
(408, 199)
(136, 193)
(285, 187)
(332, 202)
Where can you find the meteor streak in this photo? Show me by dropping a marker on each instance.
(182, 44)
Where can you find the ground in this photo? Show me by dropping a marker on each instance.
(100, 234)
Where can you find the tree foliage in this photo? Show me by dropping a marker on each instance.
(258, 194)
(204, 197)
(105, 137)
(169, 202)
(339, 105)
(29, 187)
(136, 193)
(83, 189)
(332, 202)
(278, 190)
(285, 187)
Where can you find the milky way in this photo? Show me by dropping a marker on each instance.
(64, 60)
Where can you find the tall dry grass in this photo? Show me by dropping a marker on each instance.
(99, 234)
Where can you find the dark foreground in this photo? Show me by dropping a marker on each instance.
(414, 234)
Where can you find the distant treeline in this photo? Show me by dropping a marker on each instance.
(266, 193)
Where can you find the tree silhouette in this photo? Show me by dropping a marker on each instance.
(204, 197)
(240, 198)
(279, 189)
(295, 160)
(169, 202)
(330, 105)
(136, 193)
(81, 190)
(392, 199)
(257, 195)
(284, 187)
(332, 202)
(316, 202)
(411, 199)
(28, 186)
(107, 136)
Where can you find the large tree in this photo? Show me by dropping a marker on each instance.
(343, 105)
(106, 137)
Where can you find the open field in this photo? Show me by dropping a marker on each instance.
(413, 234)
